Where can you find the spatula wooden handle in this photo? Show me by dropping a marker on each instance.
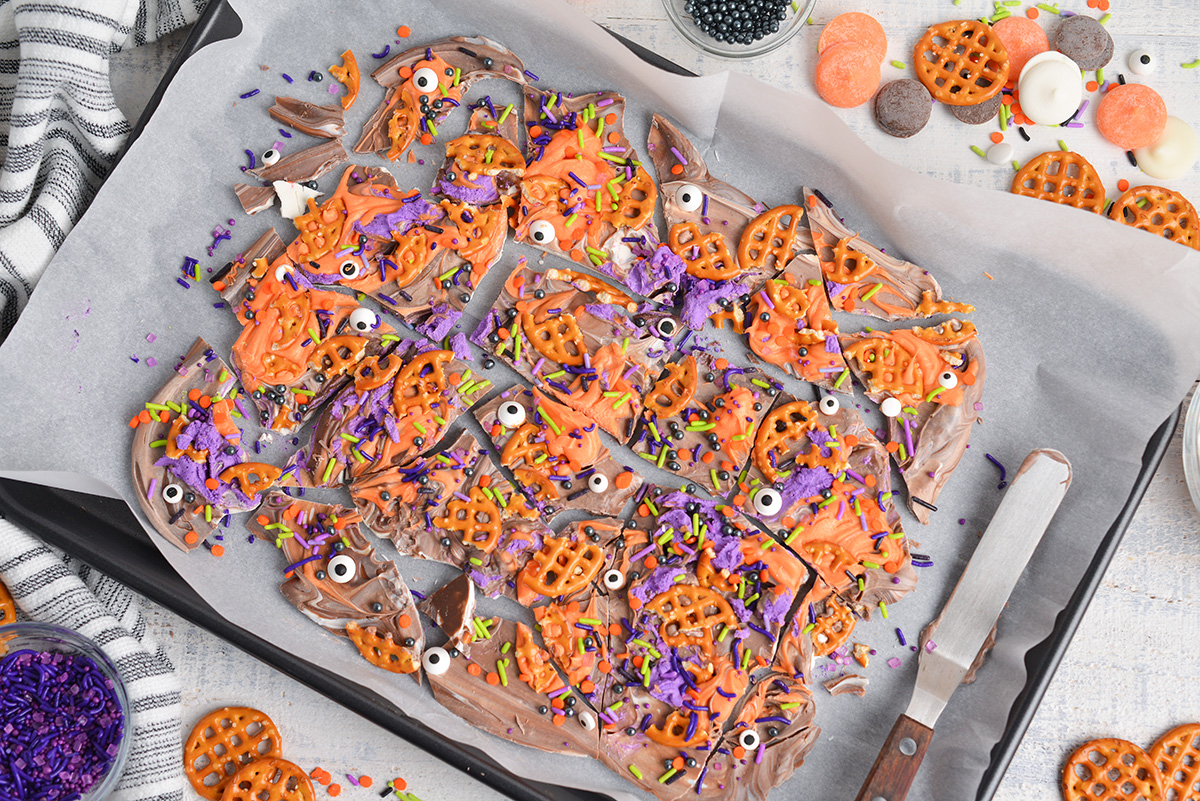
(896, 766)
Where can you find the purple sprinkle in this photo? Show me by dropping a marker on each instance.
(531, 76)
(679, 156)
(284, 134)
(251, 93)
(1003, 473)
(288, 78)
(382, 53)
(183, 283)
(900, 636)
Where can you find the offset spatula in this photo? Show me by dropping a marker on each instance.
(976, 603)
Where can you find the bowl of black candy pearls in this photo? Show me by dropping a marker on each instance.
(63, 716)
(738, 28)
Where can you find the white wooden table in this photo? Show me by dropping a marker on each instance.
(1133, 669)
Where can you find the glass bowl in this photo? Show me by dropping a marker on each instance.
(56, 639)
(1191, 448)
(797, 13)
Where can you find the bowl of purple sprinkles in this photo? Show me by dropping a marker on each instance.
(63, 712)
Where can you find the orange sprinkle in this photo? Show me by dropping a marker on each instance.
(399, 784)
(677, 763)
(205, 401)
(193, 394)
(302, 400)
(455, 379)
(164, 416)
(643, 510)
(219, 286)
(1006, 100)
(727, 511)
(576, 254)
(1102, 5)
(604, 666)
(850, 440)
(634, 603)
(485, 480)
(405, 621)
(722, 363)
(1092, 86)
(738, 752)
(493, 679)
(586, 685)
(676, 169)
(1032, 13)
(335, 790)
(218, 550)
(403, 32)
(623, 479)
(559, 720)
(637, 661)
(788, 521)
(615, 629)
(613, 137)
(1122, 184)
(989, 277)
(502, 333)
(651, 561)
(133, 422)
(474, 669)
(535, 131)
(739, 500)
(997, 137)
(610, 119)
(211, 483)
(426, 139)
(144, 416)
(892, 447)
(365, 781)
(847, 305)
(869, 480)
(190, 538)
(708, 456)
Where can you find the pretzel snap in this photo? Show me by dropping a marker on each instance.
(534, 663)
(562, 567)
(223, 742)
(1163, 212)
(1107, 768)
(673, 731)
(476, 520)
(484, 154)
(634, 203)
(337, 355)
(704, 255)
(688, 615)
(320, 228)
(557, 337)
(525, 446)
(832, 629)
(1061, 177)
(788, 424)
(674, 390)
(272, 779)
(375, 371)
(1177, 757)
(421, 383)
(962, 62)
(252, 477)
(409, 258)
(380, 650)
(770, 238)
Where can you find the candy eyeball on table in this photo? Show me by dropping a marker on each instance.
(1141, 63)
(270, 157)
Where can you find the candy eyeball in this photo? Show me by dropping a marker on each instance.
(829, 405)
(689, 197)
(172, 493)
(271, 156)
(511, 413)
(749, 739)
(614, 579)
(597, 482)
(425, 79)
(350, 269)
(1141, 62)
(541, 232)
(768, 501)
(666, 328)
(341, 568)
(890, 407)
(947, 379)
(435, 660)
(363, 320)
(587, 721)
(281, 272)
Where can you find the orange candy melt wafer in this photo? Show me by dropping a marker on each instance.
(857, 28)
(847, 75)
(1131, 116)
(1023, 39)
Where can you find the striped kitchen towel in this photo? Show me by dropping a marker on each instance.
(52, 588)
(60, 130)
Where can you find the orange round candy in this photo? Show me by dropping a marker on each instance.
(855, 27)
(847, 75)
(1023, 39)
(1131, 116)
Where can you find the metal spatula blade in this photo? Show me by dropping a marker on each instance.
(980, 595)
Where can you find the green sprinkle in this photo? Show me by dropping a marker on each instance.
(758, 382)
(546, 416)
(1104, 20)
(715, 481)
(350, 438)
(841, 379)
(795, 533)
(700, 426)
(634, 770)
(663, 778)
(443, 458)
(571, 219)
(1191, 65)
(156, 407)
(978, 151)
(500, 665)
(1016, 166)
(745, 656)
(313, 333)
(449, 273)
(898, 64)
(662, 455)
(390, 338)
(789, 705)
(870, 565)
(158, 443)
(883, 610)
(621, 401)
(475, 560)
(504, 649)
(871, 292)
(811, 626)
(1047, 7)
(306, 392)
(207, 513)
(328, 471)
(1063, 146)
(933, 394)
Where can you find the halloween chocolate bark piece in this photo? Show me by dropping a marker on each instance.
(570, 564)
(189, 467)
(452, 608)
(580, 340)
(421, 260)
(861, 278)
(929, 383)
(555, 454)
(454, 507)
(701, 418)
(585, 195)
(483, 166)
(790, 326)
(338, 580)
(508, 687)
(819, 476)
(399, 406)
(772, 733)
(299, 345)
(292, 178)
(728, 242)
(327, 122)
(707, 597)
(425, 84)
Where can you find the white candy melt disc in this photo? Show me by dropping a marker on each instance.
(1050, 88)
(1000, 153)
(1173, 154)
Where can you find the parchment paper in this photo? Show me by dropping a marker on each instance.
(1089, 328)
